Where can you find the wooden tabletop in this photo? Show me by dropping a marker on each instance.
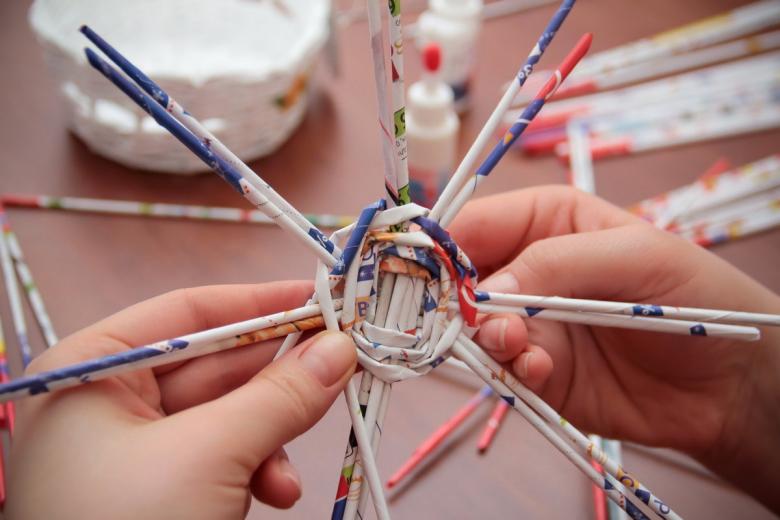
(90, 266)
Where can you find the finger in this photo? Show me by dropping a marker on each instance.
(189, 310)
(209, 377)
(628, 262)
(533, 368)
(174, 314)
(493, 230)
(288, 397)
(276, 482)
(503, 336)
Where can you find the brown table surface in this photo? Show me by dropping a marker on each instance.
(90, 266)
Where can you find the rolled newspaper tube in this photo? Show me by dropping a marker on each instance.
(464, 169)
(164, 352)
(672, 64)
(12, 290)
(312, 238)
(438, 436)
(492, 426)
(682, 327)
(160, 209)
(454, 205)
(618, 139)
(210, 142)
(508, 387)
(607, 482)
(599, 500)
(630, 309)
(14, 249)
(711, 190)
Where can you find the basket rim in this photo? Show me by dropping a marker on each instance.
(274, 69)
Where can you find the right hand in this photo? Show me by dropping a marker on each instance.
(716, 399)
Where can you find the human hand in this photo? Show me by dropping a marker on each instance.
(716, 399)
(195, 439)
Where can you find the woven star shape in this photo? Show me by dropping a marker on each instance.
(396, 282)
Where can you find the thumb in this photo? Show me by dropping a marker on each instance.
(284, 400)
(632, 262)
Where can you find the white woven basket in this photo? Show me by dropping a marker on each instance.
(241, 66)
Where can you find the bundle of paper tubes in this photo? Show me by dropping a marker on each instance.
(713, 78)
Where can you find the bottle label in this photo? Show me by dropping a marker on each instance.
(425, 185)
(457, 72)
(461, 94)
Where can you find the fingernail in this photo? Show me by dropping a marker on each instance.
(289, 471)
(505, 282)
(492, 334)
(328, 357)
(522, 369)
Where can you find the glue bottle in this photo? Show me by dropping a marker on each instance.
(431, 131)
(454, 25)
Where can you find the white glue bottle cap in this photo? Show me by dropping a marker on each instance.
(430, 100)
(455, 25)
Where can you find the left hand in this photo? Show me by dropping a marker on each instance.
(194, 439)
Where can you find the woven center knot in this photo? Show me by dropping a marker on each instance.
(400, 280)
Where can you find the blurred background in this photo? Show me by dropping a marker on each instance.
(288, 86)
